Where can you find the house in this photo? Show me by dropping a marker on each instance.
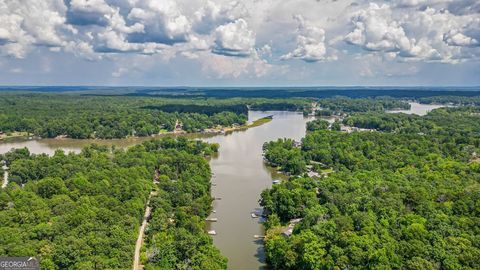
(178, 127)
(289, 229)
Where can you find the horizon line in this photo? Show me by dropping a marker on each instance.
(245, 86)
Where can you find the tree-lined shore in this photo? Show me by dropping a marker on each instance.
(403, 197)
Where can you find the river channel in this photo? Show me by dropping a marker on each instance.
(239, 176)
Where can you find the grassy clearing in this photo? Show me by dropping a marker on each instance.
(255, 123)
(9, 135)
(261, 121)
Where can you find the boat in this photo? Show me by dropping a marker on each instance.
(254, 215)
(212, 232)
(256, 236)
(213, 219)
(276, 182)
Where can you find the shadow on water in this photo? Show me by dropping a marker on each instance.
(260, 254)
(239, 175)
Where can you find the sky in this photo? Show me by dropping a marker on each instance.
(240, 43)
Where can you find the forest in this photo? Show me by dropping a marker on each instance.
(81, 117)
(453, 121)
(453, 100)
(411, 93)
(348, 105)
(106, 117)
(404, 197)
(83, 211)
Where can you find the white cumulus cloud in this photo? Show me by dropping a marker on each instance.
(234, 39)
(211, 14)
(428, 34)
(310, 42)
(28, 23)
(163, 22)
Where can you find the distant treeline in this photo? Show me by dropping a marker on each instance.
(80, 117)
(261, 92)
(342, 104)
(442, 120)
(411, 93)
(455, 100)
(280, 106)
(105, 117)
(202, 109)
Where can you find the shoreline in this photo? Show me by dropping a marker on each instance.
(14, 135)
(213, 131)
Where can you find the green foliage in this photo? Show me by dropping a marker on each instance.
(293, 104)
(317, 124)
(440, 121)
(324, 113)
(348, 105)
(22, 153)
(83, 211)
(106, 117)
(336, 125)
(456, 100)
(398, 200)
(283, 154)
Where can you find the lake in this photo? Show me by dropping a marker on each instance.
(239, 176)
(419, 109)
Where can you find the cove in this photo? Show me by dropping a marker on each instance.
(239, 176)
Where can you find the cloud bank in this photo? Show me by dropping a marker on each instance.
(253, 36)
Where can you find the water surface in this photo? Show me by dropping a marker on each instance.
(418, 108)
(239, 176)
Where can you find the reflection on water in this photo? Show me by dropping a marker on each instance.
(418, 109)
(239, 176)
(48, 146)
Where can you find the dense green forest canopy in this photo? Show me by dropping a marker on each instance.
(257, 92)
(117, 116)
(106, 117)
(83, 211)
(52, 115)
(395, 200)
(317, 124)
(463, 120)
(455, 100)
(348, 105)
(201, 109)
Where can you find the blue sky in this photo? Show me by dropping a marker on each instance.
(240, 43)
